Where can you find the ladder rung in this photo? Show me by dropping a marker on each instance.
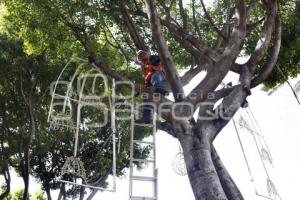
(145, 125)
(143, 178)
(142, 160)
(143, 142)
(142, 198)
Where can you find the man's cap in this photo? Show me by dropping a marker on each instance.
(154, 60)
(140, 52)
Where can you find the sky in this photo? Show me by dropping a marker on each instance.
(278, 117)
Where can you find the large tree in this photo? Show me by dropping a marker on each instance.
(26, 142)
(208, 38)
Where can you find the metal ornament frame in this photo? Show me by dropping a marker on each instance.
(248, 122)
(73, 165)
(178, 163)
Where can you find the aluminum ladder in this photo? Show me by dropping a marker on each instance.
(137, 178)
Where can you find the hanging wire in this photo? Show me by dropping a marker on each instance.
(243, 150)
(256, 143)
(289, 84)
(273, 193)
(259, 132)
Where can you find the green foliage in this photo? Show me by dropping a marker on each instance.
(34, 73)
(37, 38)
(18, 195)
(39, 195)
(289, 57)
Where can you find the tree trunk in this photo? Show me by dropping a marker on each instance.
(25, 168)
(202, 173)
(62, 192)
(7, 180)
(82, 192)
(27, 140)
(230, 188)
(48, 192)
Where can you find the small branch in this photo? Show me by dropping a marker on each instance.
(252, 25)
(197, 29)
(183, 15)
(133, 31)
(211, 21)
(117, 46)
(171, 4)
(21, 89)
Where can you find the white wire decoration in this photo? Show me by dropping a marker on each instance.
(248, 122)
(178, 163)
(61, 116)
(74, 166)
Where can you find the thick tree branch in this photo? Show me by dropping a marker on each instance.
(182, 36)
(206, 113)
(232, 102)
(265, 38)
(190, 74)
(271, 62)
(219, 70)
(167, 61)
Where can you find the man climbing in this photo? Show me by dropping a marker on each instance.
(143, 60)
(158, 80)
(154, 79)
(154, 74)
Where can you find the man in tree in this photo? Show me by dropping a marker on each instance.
(216, 37)
(158, 76)
(142, 59)
(154, 79)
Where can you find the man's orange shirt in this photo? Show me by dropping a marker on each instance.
(148, 71)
